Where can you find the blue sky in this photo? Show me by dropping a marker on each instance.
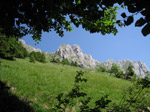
(129, 43)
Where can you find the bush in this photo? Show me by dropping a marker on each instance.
(102, 69)
(38, 56)
(42, 58)
(114, 69)
(20, 51)
(129, 72)
(6, 50)
(32, 59)
(74, 64)
(11, 48)
(117, 71)
(65, 62)
(55, 60)
(120, 74)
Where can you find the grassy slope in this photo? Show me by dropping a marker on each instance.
(41, 83)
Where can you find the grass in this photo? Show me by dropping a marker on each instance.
(40, 83)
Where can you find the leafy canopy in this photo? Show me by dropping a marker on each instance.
(11, 48)
(20, 17)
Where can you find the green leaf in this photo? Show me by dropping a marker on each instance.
(146, 30)
(140, 22)
(129, 20)
(144, 12)
(124, 15)
(78, 2)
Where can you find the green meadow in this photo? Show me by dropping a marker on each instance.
(40, 83)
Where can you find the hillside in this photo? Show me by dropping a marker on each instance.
(75, 54)
(40, 83)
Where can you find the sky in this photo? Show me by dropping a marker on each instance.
(129, 43)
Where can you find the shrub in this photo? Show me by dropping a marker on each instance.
(120, 74)
(74, 64)
(117, 71)
(6, 50)
(11, 48)
(20, 51)
(42, 58)
(38, 56)
(129, 72)
(55, 60)
(114, 69)
(32, 59)
(65, 62)
(102, 69)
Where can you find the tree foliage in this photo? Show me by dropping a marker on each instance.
(130, 72)
(55, 60)
(101, 69)
(11, 48)
(74, 64)
(38, 56)
(19, 17)
(114, 69)
(64, 62)
(117, 71)
(32, 59)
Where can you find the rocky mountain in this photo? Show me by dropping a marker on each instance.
(139, 67)
(74, 53)
(28, 47)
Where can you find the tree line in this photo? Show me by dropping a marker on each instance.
(64, 62)
(117, 72)
(11, 48)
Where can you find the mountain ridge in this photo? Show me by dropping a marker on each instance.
(28, 47)
(74, 53)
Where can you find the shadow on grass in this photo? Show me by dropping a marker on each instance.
(10, 103)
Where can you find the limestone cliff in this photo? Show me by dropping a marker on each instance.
(28, 47)
(74, 53)
(139, 67)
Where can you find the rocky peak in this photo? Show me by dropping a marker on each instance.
(74, 53)
(139, 67)
(76, 49)
(28, 47)
(65, 51)
(108, 63)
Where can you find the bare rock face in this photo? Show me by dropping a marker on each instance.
(28, 47)
(139, 67)
(74, 53)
